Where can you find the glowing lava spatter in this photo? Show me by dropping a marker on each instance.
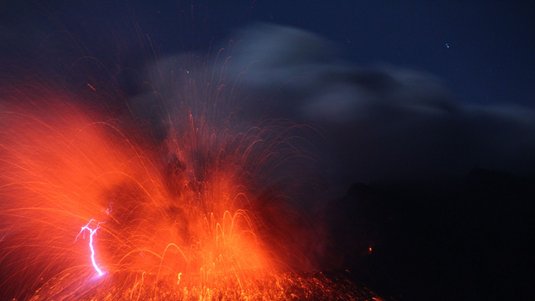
(92, 232)
(195, 216)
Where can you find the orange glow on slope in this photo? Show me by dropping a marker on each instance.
(61, 168)
(176, 227)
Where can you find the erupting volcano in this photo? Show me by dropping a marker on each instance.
(266, 150)
(94, 208)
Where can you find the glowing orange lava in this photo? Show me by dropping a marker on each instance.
(175, 221)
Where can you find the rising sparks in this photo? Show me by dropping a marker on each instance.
(191, 217)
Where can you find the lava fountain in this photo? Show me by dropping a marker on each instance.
(94, 208)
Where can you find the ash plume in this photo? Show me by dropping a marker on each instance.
(372, 124)
(379, 123)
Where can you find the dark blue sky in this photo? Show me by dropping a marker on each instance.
(483, 50)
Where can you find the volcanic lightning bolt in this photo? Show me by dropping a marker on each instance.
(92, 232)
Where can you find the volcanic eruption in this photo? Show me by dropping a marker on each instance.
(259, 172)
(184, 202)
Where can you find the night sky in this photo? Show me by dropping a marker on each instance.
(427, 106)
(483, 50)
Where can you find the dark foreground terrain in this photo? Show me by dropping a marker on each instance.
(462, 239)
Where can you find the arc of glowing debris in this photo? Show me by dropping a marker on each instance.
(92, 232)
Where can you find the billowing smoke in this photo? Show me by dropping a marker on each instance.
(380, 123)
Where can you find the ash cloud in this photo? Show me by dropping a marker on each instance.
(375, 124)
(446, 183)
(379, 123)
